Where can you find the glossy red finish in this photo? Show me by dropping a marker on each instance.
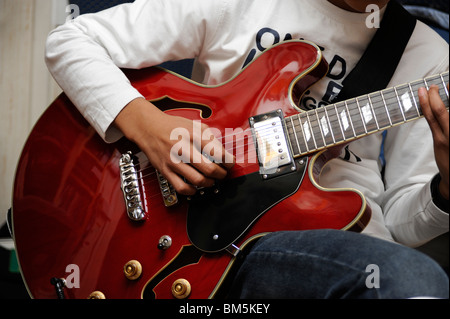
(68, 208)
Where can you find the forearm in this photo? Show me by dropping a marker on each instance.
(85, 55)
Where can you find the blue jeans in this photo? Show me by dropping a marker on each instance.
(336, 264)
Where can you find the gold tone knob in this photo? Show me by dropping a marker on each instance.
(132, 269)
(97, 295)
(181, 289)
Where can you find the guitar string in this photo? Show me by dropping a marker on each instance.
(234, 141)
(151, 176)
(240, 156)
(313, 123)
(375, 107)
(243, 151)
(267, 131)
(334, 122)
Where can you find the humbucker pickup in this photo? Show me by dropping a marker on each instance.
(272, 146)
(169, 195)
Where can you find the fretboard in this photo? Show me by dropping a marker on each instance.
(354, 118)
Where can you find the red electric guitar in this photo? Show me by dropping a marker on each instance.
(101, 217)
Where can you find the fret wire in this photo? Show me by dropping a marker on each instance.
(320, 127)
(310, 129)
(303, 131)
(350, 117)
(360, 113)
(295, 134)
(325, 122)
(434, 80)
(445, 86)
(414, 99)
(426, 84)
(437, 80)
(329, 124)
(379, 110)
(386, 119)
(289, 130)
(385, 106)
(400, 104)
(339, 121)
(374, 105)
(373, 111)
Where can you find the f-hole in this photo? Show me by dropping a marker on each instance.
(168, 104)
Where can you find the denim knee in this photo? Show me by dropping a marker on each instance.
(336, 264)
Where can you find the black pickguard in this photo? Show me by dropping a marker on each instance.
(216, 220)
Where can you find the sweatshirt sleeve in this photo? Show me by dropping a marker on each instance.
(85, 55)
(410, 213)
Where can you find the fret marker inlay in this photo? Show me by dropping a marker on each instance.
(307, 131)
(344, 120)
(323, 122)
(367, 114)
(406, 102)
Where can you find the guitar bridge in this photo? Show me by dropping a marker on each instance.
(169, 195)
(273, 148)
(130, 187)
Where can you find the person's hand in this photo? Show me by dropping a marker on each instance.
(437, 116)
(177, 159)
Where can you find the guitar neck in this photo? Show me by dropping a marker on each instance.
(354, 118)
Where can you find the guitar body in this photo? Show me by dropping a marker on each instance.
(69, 214)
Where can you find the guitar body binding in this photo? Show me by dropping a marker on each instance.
(69, 214)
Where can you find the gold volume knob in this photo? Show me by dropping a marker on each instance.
(132, 269)
(181, 289)
(97, 295)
